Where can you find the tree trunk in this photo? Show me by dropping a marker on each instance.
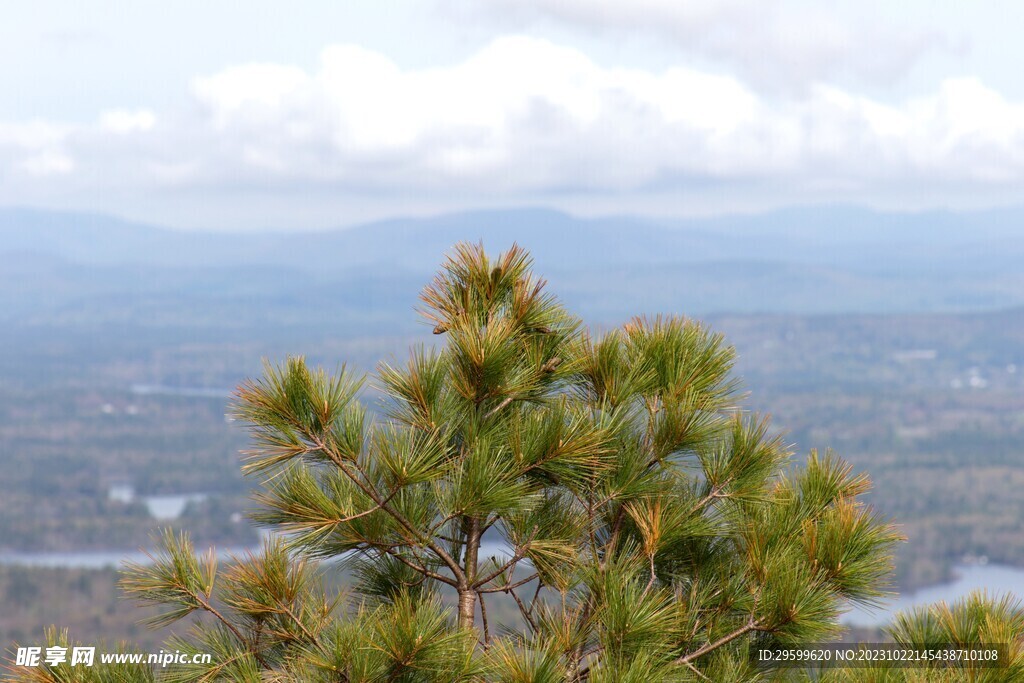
(467, 594)
(467, 608)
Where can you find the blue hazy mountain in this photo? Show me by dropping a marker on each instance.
(811, 259)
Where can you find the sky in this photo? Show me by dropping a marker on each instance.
(311, 114)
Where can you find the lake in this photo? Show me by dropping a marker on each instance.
(100, 559)
(994, 578)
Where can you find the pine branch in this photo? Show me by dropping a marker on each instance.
(422, 570)
(696, 671)
(518, 555)
(369, 512)
(522, 609)
(374, 495)
(751, 625)
(483, 616)
(496, 409)
(305, 631)
(205, 604)
(536, 595)
(716, 492)
(654, 576)
(508, 588)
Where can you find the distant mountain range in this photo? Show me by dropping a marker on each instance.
(812, 259)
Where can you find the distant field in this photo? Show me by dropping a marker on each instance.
(931, 407)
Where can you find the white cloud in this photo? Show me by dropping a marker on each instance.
(124, 121)
(36, 148)
(48, 162)
(526, 118)
(522, 114)
(248, 88)
(776, 44)
(526, 115)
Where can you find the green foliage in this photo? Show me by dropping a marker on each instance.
(643, 526)
(177, 579)
(977, 620)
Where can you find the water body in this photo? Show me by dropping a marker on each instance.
(101, 559)
(98, 559)
(993, 578)
(194, 392)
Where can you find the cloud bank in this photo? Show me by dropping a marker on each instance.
(522, 117)
(779, 45)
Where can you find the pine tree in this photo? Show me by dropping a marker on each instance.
(606, 493)
(977, 620)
